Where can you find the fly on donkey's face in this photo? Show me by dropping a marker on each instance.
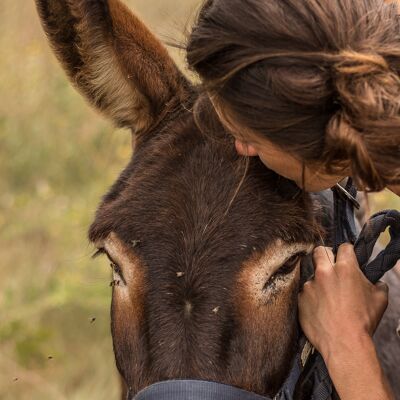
(205, 275)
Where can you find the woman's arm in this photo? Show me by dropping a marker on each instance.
(339, 312)
(356, 371)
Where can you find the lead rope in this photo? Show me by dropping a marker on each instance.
(344, 201)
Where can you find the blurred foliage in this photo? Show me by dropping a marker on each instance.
(57, 157)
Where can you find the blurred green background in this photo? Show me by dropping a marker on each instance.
(57, 158)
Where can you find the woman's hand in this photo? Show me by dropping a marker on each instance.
(339, 311)
(340, 301)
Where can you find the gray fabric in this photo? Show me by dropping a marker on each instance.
(323, 387)
(288, 388)
(195, 390)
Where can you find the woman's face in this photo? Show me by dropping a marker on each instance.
(311, 178)
(286, 165)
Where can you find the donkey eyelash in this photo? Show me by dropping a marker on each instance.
(281, 274)
(114, 266)
(102, 251)
(98, 253)
(291, 262)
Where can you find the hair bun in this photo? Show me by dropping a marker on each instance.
(364, 132)
(346, 147)
(356, 63)
(366, 86)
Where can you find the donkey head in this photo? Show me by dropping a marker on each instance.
(206, 263)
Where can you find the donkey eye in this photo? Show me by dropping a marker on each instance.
(290, 264)
(116, 268)
(287, 268)
(118, 276)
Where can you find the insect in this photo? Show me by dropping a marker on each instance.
(135, 243)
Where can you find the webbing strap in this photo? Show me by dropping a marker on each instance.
(345, 226)
(195, 390)
(364, 246)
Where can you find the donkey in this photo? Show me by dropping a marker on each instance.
(205, 250)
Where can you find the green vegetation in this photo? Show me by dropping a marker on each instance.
(57, 158)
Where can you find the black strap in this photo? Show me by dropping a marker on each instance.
(344, 200)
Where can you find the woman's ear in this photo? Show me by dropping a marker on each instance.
(245, 149)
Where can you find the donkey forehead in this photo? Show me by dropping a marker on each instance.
(182, 188)
(181, 205)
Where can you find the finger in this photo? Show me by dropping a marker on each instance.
(382, 295)
(307, 287)
(347, 264)
(382, 287)
(323, 256)
(381, 300)
(347, 255)
(305, 299)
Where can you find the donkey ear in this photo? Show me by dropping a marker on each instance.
(113, 59)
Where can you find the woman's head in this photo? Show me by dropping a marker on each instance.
(317, 79)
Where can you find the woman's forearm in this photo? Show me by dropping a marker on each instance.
(355, 370)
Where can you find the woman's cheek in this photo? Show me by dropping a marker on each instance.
(284, 167)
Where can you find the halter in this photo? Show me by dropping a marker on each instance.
(195, 390)
(309, 374)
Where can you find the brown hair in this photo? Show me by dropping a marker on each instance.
(319, 78)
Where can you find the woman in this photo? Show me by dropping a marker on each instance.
(313, 89)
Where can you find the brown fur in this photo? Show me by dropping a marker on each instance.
(113, 59)
(173, 197)
(189, 243)
(256, 311)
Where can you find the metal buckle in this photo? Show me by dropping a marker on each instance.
(347, 196)
(308, 349)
